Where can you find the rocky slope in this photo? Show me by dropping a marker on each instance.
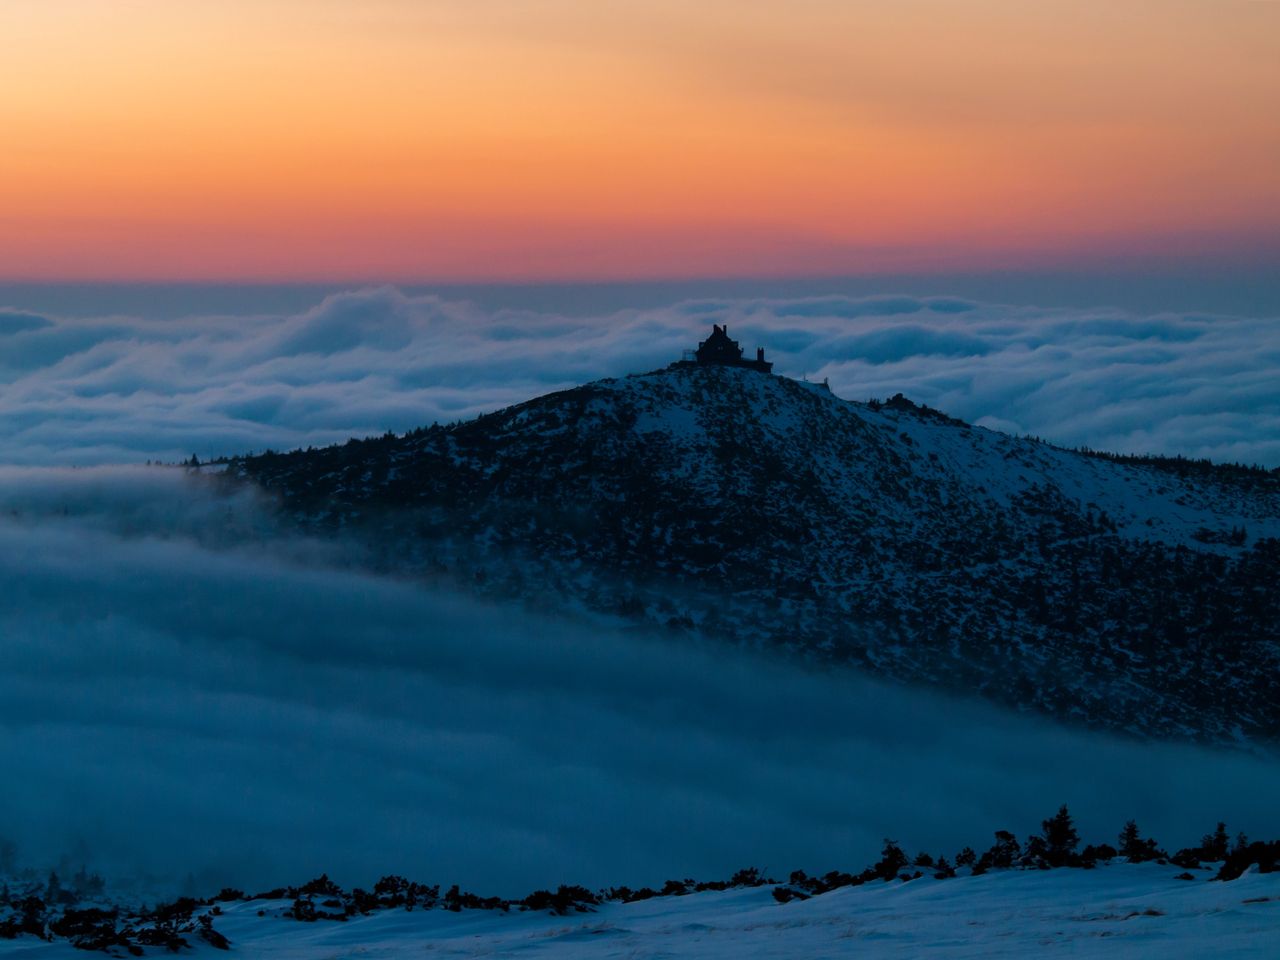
(1129, 595)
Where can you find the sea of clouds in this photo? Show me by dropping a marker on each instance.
(121, 389)
(188, 691)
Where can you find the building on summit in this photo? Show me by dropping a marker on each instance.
(719, 350)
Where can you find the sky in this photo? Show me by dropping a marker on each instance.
(537, 140)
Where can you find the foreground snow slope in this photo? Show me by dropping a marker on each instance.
(1116, 911)
(1009, 914)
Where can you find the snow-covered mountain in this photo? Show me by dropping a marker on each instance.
(1134, 595)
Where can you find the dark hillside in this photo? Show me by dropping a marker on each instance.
(1103, 591)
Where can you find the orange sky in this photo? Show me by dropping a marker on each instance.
(578, 139)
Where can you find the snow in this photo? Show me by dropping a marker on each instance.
(1130, 911)
(1118, 910)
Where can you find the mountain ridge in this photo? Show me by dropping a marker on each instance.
(885, 535)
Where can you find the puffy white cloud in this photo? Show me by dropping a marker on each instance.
(185, 692)
(117, 389)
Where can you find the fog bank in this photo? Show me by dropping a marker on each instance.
(186, 692)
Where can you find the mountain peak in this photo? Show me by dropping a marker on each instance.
(724, 498)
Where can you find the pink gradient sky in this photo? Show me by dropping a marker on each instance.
(573, 140)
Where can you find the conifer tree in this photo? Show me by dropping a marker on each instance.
(1133, 846)
(1215, 846)
(892, 860)
(54, 888)
(1060, 838)
(1130, 840)
(1003, 852)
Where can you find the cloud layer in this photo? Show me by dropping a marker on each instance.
(255, 713)
(120, 389)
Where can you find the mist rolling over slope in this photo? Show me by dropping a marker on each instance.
(768, 512)
(269, 713)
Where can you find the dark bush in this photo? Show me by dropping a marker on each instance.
(30, 919)
(1003, 853)
(91, 929)
(891, 861)
(749, 877)
(566, 899)
(321, 886)
(787, 894)
(458, 900)
(1266, 856)
(279, 893)
(1092, 854)
(211, 936)
(303, 910)
(391, 889)
(363, 902)
(1217, 845)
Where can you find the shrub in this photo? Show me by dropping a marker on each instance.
(1265, 855)
(564, 900)
(1003, 853)
(891, 862)
(321, 886)
(749, 877)
(1103, 851)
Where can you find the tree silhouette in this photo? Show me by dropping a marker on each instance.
(1133, 846)
(892, 861)
(1060, 838)
(1217, 845)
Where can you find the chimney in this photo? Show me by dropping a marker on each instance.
(759, 354)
